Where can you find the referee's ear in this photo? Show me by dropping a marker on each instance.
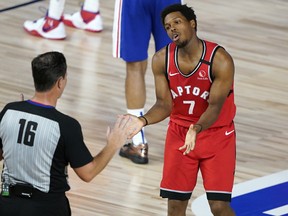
(61, 84)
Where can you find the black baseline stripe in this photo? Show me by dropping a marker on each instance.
(19, 5)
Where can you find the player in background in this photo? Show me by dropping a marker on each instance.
(134, 23)
(52, 25)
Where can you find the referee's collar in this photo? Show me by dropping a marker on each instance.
(40, 104)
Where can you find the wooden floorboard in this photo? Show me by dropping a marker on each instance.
(254, 32)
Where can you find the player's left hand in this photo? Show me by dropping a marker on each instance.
(190, 140)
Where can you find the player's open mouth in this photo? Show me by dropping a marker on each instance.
(175, 37)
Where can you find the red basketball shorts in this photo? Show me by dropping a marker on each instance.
(214, 155)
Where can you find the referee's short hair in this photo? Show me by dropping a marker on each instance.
(47, 68)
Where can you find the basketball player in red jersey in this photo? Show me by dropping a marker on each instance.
(194, 86)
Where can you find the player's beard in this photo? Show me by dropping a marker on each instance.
(182, 44)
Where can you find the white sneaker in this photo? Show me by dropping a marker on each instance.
(84, 20)
(46, 27)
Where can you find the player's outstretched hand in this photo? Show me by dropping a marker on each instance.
(135, 125)
(117, 135)
(190, 140)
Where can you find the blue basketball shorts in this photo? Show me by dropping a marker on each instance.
(134, 23)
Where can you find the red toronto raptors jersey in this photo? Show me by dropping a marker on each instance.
(190, 92)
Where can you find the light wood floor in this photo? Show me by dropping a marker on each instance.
(255, 32)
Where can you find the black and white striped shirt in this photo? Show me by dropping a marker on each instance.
(38, 143)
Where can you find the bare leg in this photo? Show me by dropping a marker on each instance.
(135, 92)
(177, 207)
(221, 208)
(135, 89)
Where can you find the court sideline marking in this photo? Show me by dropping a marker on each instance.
(19, 5)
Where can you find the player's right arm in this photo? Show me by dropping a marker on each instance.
(163, 105)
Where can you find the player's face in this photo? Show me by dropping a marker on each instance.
(178, 28)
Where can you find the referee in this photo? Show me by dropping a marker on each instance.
(37, 142)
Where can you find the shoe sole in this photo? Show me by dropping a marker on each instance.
(136, 159)
(36, 33)
(70, 24)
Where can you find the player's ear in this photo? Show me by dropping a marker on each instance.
(193, 24)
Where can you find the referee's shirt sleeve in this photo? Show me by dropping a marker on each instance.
(76, 151)
(1, 116)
